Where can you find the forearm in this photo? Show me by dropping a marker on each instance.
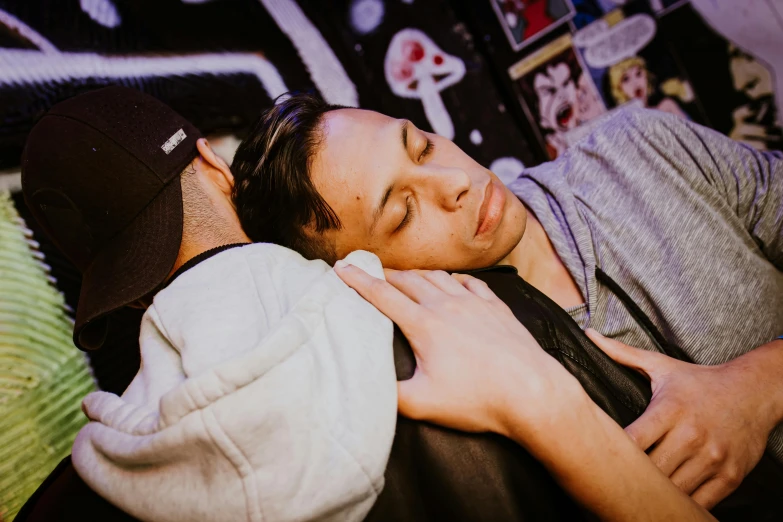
(593, 459)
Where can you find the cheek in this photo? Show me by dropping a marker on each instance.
(431, 245)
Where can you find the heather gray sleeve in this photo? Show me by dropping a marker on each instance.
(750, 182)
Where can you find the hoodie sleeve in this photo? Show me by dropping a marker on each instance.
(161, 366)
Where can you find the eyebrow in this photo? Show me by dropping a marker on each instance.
(376, 216)
(379, 208)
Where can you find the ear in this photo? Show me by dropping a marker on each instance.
(220, 173)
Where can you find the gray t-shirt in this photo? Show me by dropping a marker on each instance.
(688, 222)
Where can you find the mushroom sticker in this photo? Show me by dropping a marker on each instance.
(415, 67)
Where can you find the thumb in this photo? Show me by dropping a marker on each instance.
(640, 360)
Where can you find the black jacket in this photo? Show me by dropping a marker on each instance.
(439, 474)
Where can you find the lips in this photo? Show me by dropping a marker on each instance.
(491, 210)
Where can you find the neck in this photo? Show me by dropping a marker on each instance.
(538, 263)
(195, 242)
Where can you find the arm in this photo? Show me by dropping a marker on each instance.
(600, 467)
(478, 369)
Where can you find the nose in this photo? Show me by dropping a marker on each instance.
(451, 186)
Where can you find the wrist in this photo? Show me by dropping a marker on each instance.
(774, 368)
(761, 372)
(529, 413)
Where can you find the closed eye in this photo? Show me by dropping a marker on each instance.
(427, 150)
(409, 210)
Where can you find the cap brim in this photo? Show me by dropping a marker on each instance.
(133, 264)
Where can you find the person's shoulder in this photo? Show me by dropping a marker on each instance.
(271, 256)
(629, 121)
(633, 136)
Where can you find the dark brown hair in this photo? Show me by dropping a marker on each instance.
(273, 192)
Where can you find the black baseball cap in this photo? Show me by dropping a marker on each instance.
(101, 174)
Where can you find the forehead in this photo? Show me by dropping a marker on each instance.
(354, 160)
(344, 129)
(355, 143)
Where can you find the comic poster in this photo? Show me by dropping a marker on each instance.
(588, 11)
(557, 94)
(525, 21)
(629, 63)
(754, 120)
(751, 41)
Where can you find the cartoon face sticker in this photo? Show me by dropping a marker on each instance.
(630, 80)
(557, 97)
(415, 67)
(634, 83)
(749, 76)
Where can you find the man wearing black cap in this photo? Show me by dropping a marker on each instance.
(145, 193)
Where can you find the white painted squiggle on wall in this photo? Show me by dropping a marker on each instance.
(27, 32)
(507, 168)
(102, 11)
(22, 67)
(325, 69)
(26, 66)
(366, 15)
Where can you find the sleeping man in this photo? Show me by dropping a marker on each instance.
(682, 221)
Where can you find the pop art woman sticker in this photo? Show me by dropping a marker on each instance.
(629, 66)
(524, 21)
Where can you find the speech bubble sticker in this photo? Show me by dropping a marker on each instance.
(587, 36)
(623, 40)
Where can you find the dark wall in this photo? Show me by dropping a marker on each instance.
(516, 80)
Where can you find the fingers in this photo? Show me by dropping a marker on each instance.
(476, 286)
(691, 474)
(670, 454)
(414, 286)
(389, 300)
(649, 428)
(713, 491)
(642, 361)
(443, 281)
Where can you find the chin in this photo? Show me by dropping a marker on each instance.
(513, 229)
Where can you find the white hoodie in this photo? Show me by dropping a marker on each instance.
(266, 392)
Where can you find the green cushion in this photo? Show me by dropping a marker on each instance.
(43, 377)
